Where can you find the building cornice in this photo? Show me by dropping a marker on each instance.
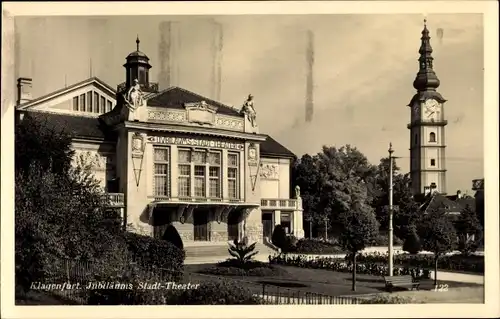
(191, 130)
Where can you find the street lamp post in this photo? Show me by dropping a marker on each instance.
(391, 248)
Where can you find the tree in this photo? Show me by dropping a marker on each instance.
(306, 175)
(412, 241)
(279, 238)
(59, 209)
(172, 235)
(469, 231)
(359, 229)
(437, 235)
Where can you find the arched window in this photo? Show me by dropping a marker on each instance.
(432, 137)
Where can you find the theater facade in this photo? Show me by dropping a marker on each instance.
(172, 157)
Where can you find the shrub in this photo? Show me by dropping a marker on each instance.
(172, 236)
(215, 293)
(385, 299)
(279, 238)
(412, 243)
(383, 240)
(125, 289)
(241, 252)
(340, 265)
(315, 246)
(232, 267)
(291, 242)
(155, 252)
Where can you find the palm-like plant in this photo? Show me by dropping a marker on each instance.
(241, 251)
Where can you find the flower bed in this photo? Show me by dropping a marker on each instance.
(451, 262)
(340, 265)
(231, 267)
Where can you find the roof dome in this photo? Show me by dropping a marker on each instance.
(137, 53)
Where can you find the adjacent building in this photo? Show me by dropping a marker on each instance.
(168, 156)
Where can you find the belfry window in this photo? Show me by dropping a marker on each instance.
(432, 137)
(433, 162)
(161, 171)
(416, 139)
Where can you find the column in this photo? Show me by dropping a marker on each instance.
(298, 219)
(277, 217)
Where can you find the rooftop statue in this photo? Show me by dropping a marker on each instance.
(249, 110)
(134, 96)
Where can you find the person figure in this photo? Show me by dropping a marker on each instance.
(249, 110)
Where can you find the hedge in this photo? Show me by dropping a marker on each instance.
(231, 267)
(155, 252)
(314, 246)
(215, 293)
(340, 265)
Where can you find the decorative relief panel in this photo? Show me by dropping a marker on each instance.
(90, 159)
(269, 171)
(196, 116)
(169, 116)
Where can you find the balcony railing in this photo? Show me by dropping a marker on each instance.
(151, 87)
(271, 203)
(114, 199)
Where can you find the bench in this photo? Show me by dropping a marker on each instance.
(400, 281)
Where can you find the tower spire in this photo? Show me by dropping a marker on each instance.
(426, 79)
(137, 41)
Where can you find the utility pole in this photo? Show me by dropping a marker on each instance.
(391, 248)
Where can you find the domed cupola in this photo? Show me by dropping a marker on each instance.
(426, 79)
(137, 67)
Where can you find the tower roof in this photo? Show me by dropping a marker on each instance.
(426, 79)
(137, 55)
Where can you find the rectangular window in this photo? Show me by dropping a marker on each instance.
(184, 179)
(89, 101)
(82, 102)
(102, 106)
(95, 107)
(161, 171)
(232, 175)
(109, 106)
(75, 103)
(214, 161)
(199, 180)
(433, 162)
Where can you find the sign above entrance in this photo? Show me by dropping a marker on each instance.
(195, 142)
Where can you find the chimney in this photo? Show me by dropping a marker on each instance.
(459, 194)
(24, 90)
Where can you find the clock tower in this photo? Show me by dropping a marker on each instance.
(427, 126)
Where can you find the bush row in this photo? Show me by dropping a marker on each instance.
(471, 263)
(340, 265)
(315, 246)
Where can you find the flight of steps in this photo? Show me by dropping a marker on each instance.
(214, 252)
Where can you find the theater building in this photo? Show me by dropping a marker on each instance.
(172, 157)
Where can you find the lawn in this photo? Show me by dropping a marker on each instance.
(317, 281)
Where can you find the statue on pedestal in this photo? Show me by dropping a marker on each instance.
(297, 191)
(249, 110)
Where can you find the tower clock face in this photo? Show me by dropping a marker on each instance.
(431, 108)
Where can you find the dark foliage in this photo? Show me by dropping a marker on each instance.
(155, 252)
(314, 246)
(215, 293)
(172, 236)
(279, 238)
(469, 231)
(412, 243)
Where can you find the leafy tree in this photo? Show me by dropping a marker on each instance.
(437, 235)
(479, 196)
(467, 226)
(306, 176)
(241, 251)
(59, 209)
(412, 241)
(279, 238)
(359, 229)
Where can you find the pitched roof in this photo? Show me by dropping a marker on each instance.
(94, 128)
(68, 89)
(77, 126)
(439, 202)
(272, 148)
(175, 97)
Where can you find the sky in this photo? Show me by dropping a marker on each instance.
(364, 67)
